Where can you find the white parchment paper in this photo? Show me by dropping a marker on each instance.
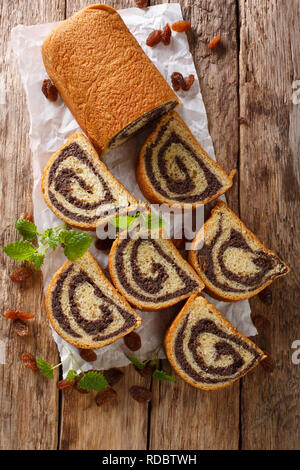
(52, 123)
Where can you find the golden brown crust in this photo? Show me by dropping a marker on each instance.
(75, 224)
(59, 331)
(168, 340)
(155, 197)
(209, 288)
(102, 73)
(132, 300)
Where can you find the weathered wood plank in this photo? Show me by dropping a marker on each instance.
(269, 198)
(122, 425)
(213, 418)
(29, 403)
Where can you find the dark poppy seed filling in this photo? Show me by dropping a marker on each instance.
(262, 268)
(189, 349)
(148, 273)
(108, 311)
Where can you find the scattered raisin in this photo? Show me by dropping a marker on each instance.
(77, 386)
(177, 81)
(113, 375)
(29, 361)
(65, 384)
(166, 35)
(140, 394)
(266, 296)
(133, 341)
(18, 314)
(21, 274)
(214, 42)
(261, 323)
(141, 3)
(105, 396)
(268, 364)
(49, 90)
(20, 328)
(27, 216)
(188, 82)
(181, 26)
(88, 355)
(147, 371)
(103, 244)
(154, 38)
(203, 263)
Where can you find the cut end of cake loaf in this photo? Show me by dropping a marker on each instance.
(174, 169)
(231, 261)
(118, 90)
(79, 188)
(204, 348)
(151, 273)
(84, 308)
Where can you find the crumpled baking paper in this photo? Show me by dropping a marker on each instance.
(52, 123)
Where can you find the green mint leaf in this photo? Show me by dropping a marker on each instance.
(123, 221)
(76, 243)
(26, 228)
(153, 362)
(153, 221)
(45, 368)
(136, 361)
(161, 375)
(71, 375)
(53, 238)
(37, 259)
(93, 380)
(20, 251)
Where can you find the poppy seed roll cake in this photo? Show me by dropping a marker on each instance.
(151, 273)
(79, 188)
(84, 308)
(104, 77)
(205, 349)
(175, 170)
(230, 260)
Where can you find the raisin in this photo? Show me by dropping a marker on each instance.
(49, 90)
(141, 3)
(20, 274)
(113, 375)
(65, 384)
(181, 26)
(147, 371)
(77, 386)
(140, 394)
(29, 361)
(214, 42)
(18, 314)
(133, 341)
(27, 216)
(20, 328)
(266, 296)
(88, 355)
(203, 263)
(268, 364)
(166, 35)
(105, 396)
(178, 81)
(154, 38)
(188, 82)
(103, 244)
(261, 323)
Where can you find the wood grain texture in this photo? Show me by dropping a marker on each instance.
(269, 201)
(29, 403)
(122, 425)
(217, 70)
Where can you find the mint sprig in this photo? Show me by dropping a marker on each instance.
(45, 368)
(76, 243)
(71, 375)
(135, 361)
(152, 361)
(161, 375)
(93, 380)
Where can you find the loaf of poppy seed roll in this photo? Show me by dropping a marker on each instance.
(79, 188)
(174, 169)
(84, 308)
(231, 261)
(205, 349)
(109, 84)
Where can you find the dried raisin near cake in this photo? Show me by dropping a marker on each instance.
(181, 26)
(133, 341)
(188, 82)
(140, 394)
(177, 80)
(18, 314)
(147, 371)
(214, 42)
(20, 328)
(27, 216)
(141, 3)
(154, 38)
(65, 384)
(113, 375)
(20, 275)
(105, 396)
(49, 90)
(166, 35)
(29, 361)
(88, 355)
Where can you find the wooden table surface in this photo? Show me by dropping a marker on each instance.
(252, 76)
